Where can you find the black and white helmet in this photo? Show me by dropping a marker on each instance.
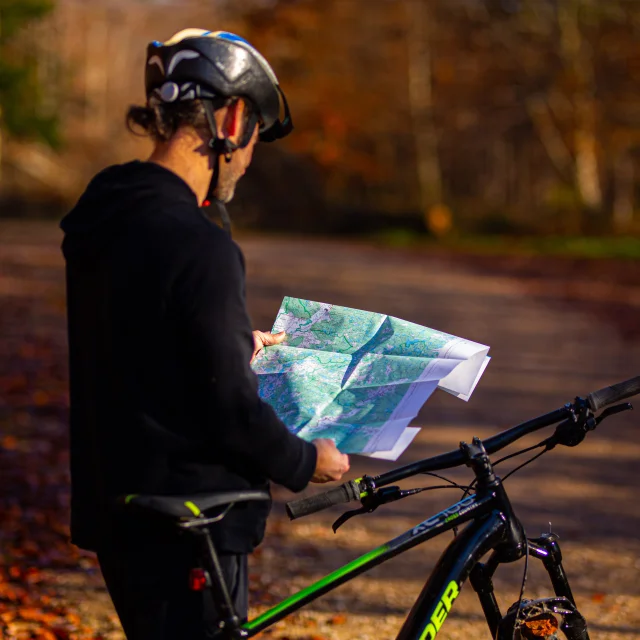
(195, 63)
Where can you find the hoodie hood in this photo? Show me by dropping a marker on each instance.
(113, 197)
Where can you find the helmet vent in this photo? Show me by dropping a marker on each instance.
(185, 54)
(157, 60)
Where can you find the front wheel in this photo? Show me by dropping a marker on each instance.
(543, 619)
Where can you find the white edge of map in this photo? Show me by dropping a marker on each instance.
(464, 396)
(405, 439)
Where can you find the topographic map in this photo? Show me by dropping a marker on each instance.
(359, 377)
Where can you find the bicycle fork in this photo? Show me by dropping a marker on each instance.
(547, 549)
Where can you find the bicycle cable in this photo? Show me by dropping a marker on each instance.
(469, 487)
(524, 582)
(524, 464)
(518, 453)
(437, 475)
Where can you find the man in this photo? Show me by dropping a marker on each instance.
(163, 400)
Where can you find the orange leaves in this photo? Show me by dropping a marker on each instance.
(73, 618)
(34, 477)
(15, 572)
(10, 443)
(37, 623)
(7, 616)
(33, 521)
(10, 593)
(542, 626)
(31, 613)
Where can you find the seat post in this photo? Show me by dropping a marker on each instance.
(229, 621)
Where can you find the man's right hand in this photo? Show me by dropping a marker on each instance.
(331, 464)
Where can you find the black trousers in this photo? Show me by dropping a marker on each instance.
(150, 591)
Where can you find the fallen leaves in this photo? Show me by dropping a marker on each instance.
(34, 478)
(29, 613)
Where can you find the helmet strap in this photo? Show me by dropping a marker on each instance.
(224, 147)
(218, 147)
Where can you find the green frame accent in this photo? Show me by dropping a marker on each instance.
(320, 584)
(193, 508)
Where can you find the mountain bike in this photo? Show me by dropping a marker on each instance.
(493, 529)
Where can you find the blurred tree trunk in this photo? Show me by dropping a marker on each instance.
(550, 135)
(624, 183)
(578, 59)
(1, 151)
(96, 44)
(421, 103)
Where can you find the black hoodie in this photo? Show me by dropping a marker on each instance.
(163, 400)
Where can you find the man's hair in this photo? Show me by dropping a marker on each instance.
(161, 121)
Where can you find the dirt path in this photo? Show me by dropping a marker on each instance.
(554, 333)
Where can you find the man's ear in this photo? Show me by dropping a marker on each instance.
(232, 121)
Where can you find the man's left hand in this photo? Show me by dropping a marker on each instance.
(262, 340)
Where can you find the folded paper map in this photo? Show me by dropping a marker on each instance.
(359, 377)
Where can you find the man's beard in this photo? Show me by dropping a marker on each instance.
(226, 188)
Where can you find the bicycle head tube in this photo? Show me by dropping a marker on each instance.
(514, 545)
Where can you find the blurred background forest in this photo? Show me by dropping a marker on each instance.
(449, 127)
(503, 117)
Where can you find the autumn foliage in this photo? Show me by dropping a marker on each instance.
(510, 116)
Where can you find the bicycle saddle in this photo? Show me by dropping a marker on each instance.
(191, 505)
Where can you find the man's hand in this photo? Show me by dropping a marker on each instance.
(262, 339)
(331, 464)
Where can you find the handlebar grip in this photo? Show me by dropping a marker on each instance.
(614, 393)
(347, 492)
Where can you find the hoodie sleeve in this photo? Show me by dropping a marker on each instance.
(210, 299)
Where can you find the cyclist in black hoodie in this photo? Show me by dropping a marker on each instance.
(163, 399)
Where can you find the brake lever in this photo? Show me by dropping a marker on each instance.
(373, 500)
(369, 504)
(350, 514)
(611, 411)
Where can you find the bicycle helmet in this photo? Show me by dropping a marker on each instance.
(195, 63)
(214, 66)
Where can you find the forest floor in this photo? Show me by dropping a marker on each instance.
(557, 328)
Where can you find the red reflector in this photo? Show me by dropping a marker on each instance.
(206, 203)
(197, 579)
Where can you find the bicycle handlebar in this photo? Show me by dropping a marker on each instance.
(351, 491)
(614, 393)
(346, 492)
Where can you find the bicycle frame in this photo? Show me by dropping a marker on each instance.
(492, 527)
(457, 514)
